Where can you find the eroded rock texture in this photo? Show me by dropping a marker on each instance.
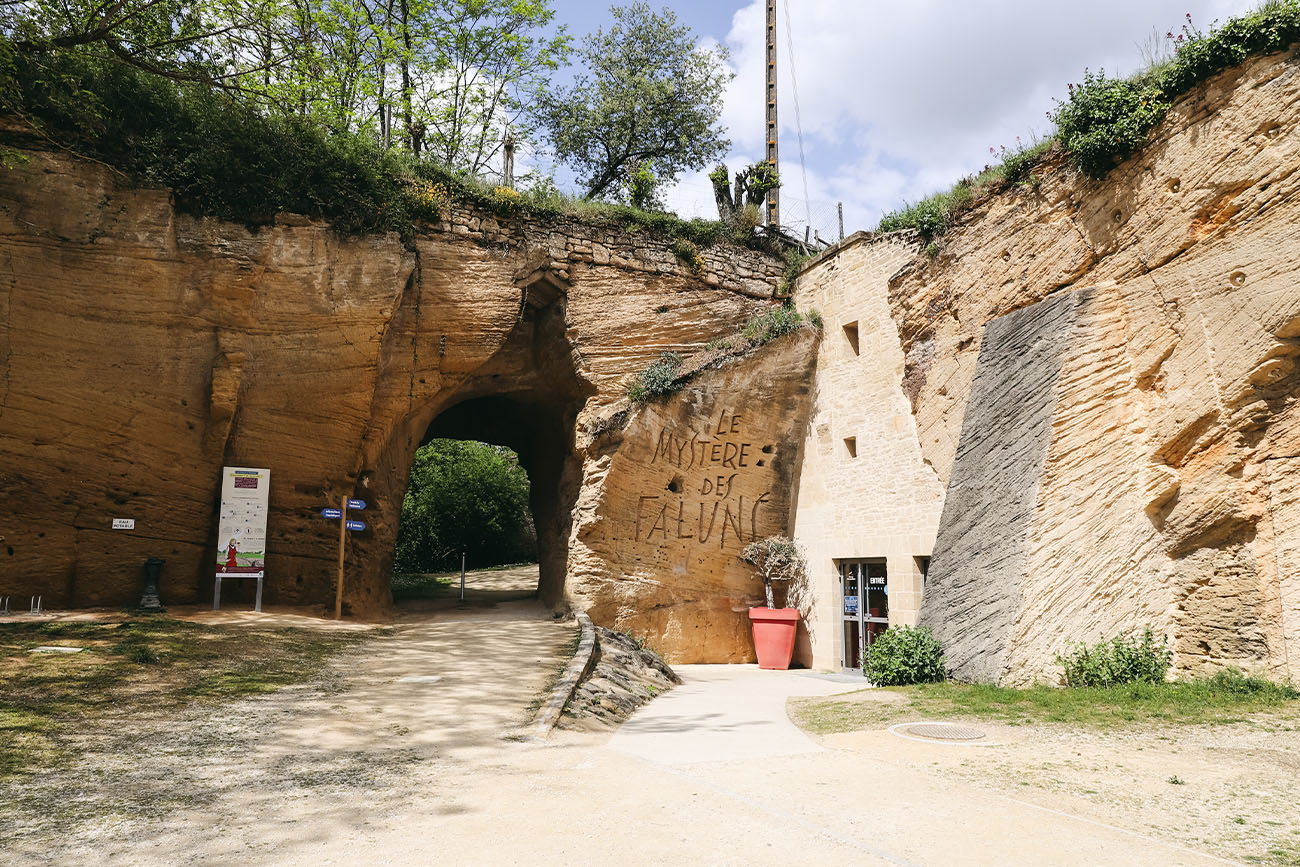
(669, 502)
(141, 350)
(1122, 454)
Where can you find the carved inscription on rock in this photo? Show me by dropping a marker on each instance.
(716, 487)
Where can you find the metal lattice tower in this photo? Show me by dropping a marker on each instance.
(773, 210)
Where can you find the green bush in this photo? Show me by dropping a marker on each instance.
(904, 655)
(660, 378)
(931, 216)
(771, 324)
(1104, 120)
(1121, 660)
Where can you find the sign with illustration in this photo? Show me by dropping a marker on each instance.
(241, 528)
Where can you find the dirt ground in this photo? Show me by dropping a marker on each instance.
(409, 753)
(1231, 789)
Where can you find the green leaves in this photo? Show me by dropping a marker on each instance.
(463, 496)
(660, 378)
(1104, 120)
(1118, 661)
(649, 100)
(904, 655)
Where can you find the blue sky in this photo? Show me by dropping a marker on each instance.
(901, 99)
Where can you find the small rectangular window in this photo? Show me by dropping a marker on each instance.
(851, 335)
(851, 444)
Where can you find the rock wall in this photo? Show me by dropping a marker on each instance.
(141, 350)
(670, 500)
(1104, 375)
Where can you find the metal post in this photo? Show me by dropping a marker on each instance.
(36, 605)
(462, 576)
(773, 209)
(343, 531)
(841, 210)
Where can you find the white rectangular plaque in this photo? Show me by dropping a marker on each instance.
(124, 523)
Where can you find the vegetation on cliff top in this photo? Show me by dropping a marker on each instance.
(1104, 121)
(373, 117)
(671, 371)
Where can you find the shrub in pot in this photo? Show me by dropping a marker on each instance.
(777, 559)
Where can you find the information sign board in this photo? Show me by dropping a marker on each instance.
(241, 527)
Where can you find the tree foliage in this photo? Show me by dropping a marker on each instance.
(446, 77)
(649, 100)
(464, 496)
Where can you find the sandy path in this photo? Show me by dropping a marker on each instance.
(374, 770)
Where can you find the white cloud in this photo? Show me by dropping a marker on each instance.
(898, 100)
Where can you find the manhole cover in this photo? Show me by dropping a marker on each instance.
(944, 732)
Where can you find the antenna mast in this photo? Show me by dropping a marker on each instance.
(773, 211)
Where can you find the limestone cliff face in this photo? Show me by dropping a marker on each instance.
(669, 502)
(1104, 375)
(141, 350)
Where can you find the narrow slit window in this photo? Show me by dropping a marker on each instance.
(851, 335)
(851, 445)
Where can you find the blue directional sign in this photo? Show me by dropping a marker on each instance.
(356, 505)
(332, 513)
(356, 525)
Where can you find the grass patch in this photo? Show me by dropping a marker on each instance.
(933, 216)
(150, 661)
(670, 372)
(1202, 701)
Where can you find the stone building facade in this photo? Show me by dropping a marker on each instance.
(866, 498)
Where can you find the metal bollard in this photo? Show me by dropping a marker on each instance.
(149, 601)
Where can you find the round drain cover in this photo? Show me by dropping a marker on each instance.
(944, 732)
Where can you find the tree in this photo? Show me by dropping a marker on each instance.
(777, 559)
(185, 40)
(650, 100)
(486, 64)
(463, 496)
(752, 186)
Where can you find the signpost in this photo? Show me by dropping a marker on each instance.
(341, 515)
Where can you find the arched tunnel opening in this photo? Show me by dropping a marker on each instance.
(536, 430)
(526, 398)
(466, 506)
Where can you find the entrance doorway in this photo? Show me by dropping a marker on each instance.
(864, 608)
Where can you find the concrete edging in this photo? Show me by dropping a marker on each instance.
(574, 672)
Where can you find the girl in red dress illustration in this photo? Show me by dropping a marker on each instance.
(230, 555)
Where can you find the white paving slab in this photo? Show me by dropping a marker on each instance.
(723, 713)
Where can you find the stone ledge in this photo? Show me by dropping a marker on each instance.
(574, 672)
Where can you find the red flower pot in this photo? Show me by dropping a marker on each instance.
(774, 630)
